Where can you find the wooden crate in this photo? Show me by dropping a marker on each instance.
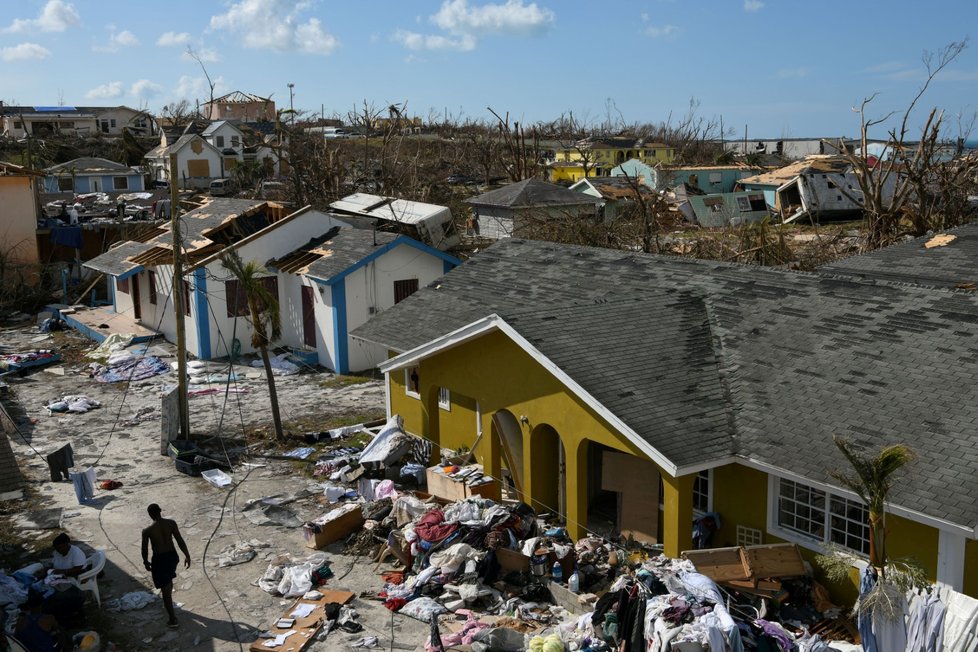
(446, 488)
(335, 529)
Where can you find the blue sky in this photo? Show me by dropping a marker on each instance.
(784, 68)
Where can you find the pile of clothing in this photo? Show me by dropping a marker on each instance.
(76, 403)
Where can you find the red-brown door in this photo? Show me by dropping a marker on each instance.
(308, 317)
(137, 310)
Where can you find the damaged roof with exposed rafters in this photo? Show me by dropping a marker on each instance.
(815, 164)
(332, 253)
(205, 231)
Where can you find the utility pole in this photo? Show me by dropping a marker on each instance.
(178, 299)
(291, 107)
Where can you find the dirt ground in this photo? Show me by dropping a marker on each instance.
(222, 608)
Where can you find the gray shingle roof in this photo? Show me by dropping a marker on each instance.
(333, 253)
(802, 357)
(911, 262)
(658, 374)
(115, 261)
(531, 193)
(90, 165)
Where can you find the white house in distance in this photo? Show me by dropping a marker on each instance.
(21, 121)
(198, 162)
(429, 223)
(315, 319)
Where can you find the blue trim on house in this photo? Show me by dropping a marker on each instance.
(200, 314)
(132, 272)
(447, 266)
(450, 261)
(340, 336)
(111, 285)
(89, 332)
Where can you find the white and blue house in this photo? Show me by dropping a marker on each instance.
(328, 276)
(87, 174)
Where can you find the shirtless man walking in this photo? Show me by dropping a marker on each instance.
(162, 533)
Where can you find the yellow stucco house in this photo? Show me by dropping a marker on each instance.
(656, 388)
(598, 156)
(20, 209)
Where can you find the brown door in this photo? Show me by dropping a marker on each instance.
(137, 310)
(308, 317)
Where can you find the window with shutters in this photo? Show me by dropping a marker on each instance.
(404, 289)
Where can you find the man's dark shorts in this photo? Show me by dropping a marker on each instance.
(165, 568)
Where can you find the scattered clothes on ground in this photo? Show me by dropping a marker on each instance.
(109, 484)
(130, 601)
(75, 403)
(280, 365)
(132, 369)
(239, 553)
(112, 344)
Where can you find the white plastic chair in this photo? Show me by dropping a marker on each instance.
(88, 580)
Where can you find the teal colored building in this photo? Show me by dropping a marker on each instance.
(709, 179)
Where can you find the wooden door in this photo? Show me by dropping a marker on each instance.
(308, 316)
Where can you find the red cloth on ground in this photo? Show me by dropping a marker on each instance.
(432, 528)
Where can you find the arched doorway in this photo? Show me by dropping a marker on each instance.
(508, 433)
(547, 470)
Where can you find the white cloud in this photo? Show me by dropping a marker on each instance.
(171, 39)
(275, 25)
(125, 38)
(415, 41)
(190, 88)
(751, 6)
(663, 31)
(24, 52)
(513, 17)
(207, 55)
(792, 73)
(109, 91)
(145, 88)
(56, 16)
(117, 41)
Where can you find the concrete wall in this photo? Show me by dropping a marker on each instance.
(370, 290)
(18, 218)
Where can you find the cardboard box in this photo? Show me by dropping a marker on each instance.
(446, 488)
(512, 561)
(334, 529)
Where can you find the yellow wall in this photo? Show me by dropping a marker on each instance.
(494, 371)
(18, 230)
(610, 155)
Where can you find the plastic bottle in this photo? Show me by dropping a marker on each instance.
(574, 582)
(557, 572)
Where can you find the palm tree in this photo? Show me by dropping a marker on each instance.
(871, 481)
(264, 317)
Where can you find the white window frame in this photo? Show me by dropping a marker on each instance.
(709, 493)
(444, 399)
(407, 383)
(822, 544)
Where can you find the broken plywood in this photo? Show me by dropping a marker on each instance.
(636, 482)
(748, 564)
